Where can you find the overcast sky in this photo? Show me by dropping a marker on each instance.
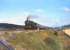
(47, 12)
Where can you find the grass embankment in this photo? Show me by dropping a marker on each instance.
(35, 40)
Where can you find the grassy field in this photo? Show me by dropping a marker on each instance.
(34, 40)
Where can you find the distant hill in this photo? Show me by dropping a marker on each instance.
(32, 24)
(62, 27)
(6, 26)
(66, 27)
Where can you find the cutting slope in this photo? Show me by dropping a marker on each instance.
(67, 31)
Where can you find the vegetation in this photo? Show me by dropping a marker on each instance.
(34, 40)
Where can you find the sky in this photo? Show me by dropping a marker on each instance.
(45, 12)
